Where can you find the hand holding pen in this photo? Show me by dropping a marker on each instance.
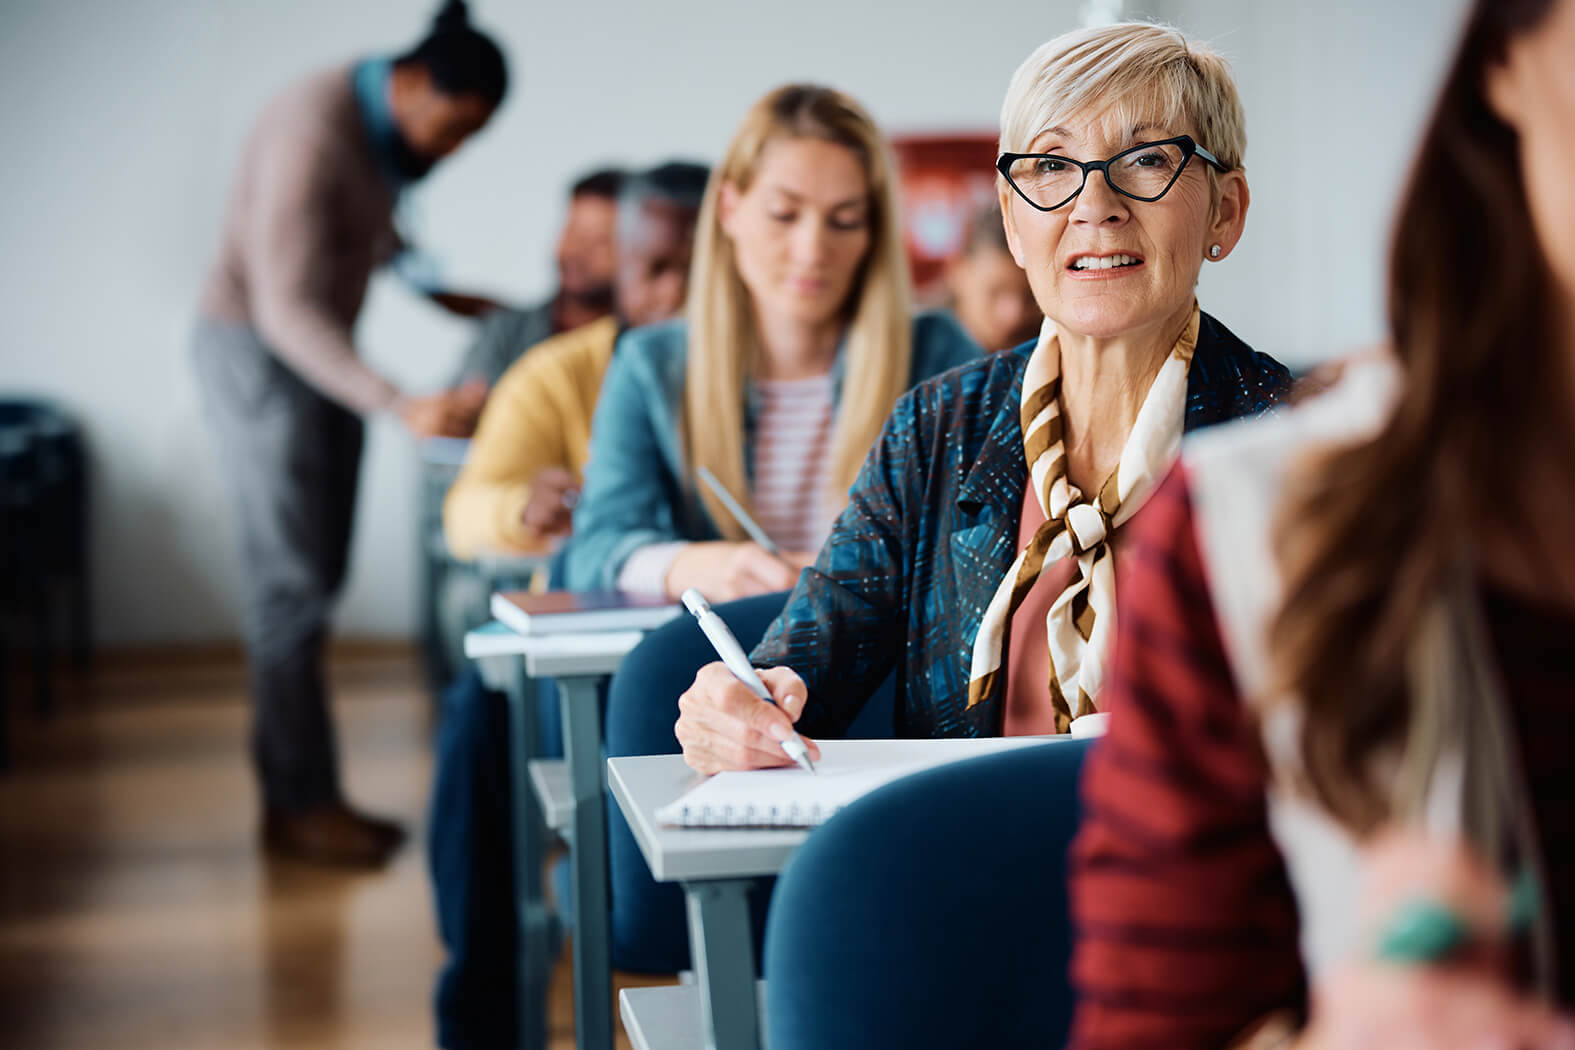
(734, 717)
(724, 571)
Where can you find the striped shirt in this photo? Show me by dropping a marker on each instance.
(791, 477)
(792, 467)
(1187, 929)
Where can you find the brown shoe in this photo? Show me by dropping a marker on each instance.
(332, 834)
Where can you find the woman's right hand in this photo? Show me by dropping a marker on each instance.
(722, 725)
(724, 571)
(549, 510)
(1466, 1003)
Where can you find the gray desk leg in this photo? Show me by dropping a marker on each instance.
(724, 957)
(528, 839)
(593, 1024)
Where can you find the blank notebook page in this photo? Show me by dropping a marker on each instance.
(791, 798)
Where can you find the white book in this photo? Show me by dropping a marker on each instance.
(789, 797)
(567, 612)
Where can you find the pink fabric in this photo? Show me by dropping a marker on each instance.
(309, 220)
(1028, 708)
(645, 571)
(792, 465)
(1029, 711)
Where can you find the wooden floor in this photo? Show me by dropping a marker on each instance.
(136, 911)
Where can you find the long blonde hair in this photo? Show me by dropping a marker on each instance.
(724, 346)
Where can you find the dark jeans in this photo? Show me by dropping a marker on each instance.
(932, 913)
(291, 458)
(470, 856)
(649, 929)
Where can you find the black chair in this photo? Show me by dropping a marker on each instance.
(43, 539)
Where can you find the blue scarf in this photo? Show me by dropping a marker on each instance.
(399, 165)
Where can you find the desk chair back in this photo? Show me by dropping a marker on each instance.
(932, 913)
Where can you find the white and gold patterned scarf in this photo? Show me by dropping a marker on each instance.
(1081, 623)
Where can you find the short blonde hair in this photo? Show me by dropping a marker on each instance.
(1134, 72)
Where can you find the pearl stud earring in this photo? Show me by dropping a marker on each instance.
(1214, 251)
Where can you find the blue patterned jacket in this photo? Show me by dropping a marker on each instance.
(931, 528)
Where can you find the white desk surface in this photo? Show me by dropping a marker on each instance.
(445, 451)
(645, 784)
(550, 778)
(668, 1018)
(554, 655)
(501, 564)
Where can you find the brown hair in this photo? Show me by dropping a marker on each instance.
(1371, 533)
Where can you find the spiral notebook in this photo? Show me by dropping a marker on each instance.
(848, 769)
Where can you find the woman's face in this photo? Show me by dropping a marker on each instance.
(991, 298)
(1164, 242)
(1533, 90)
(801, 230)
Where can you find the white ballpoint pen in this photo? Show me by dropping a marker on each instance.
(732, 654)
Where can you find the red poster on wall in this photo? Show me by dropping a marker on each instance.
(945, 181)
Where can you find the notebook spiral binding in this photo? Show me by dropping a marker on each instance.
(791, 815)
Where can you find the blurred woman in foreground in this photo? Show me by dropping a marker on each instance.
(1337, 777)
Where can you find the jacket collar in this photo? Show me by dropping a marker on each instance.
(988, 510)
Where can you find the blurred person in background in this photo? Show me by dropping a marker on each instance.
(989, 291)
(586, 262)
(310, 218)
(1335, 806)
(513, 494)
(797, 340)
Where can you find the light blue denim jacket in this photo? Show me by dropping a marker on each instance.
(636, 489)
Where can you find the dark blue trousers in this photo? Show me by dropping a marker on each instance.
(469, 854)
(649, 927)
(932, 913)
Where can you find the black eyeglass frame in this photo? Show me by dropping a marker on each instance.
(1189, 147)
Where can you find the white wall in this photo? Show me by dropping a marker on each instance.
(122, 121)
(1336, 94)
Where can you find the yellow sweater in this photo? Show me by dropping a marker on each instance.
(537, 416)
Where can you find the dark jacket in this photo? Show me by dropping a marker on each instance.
(930, 530)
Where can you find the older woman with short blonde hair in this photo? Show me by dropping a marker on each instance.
(978, 559)
(978, 554)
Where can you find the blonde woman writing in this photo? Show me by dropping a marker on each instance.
(797, 342)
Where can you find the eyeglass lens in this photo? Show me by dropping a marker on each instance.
(1144, 172)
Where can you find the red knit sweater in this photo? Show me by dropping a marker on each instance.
(1186, 923)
